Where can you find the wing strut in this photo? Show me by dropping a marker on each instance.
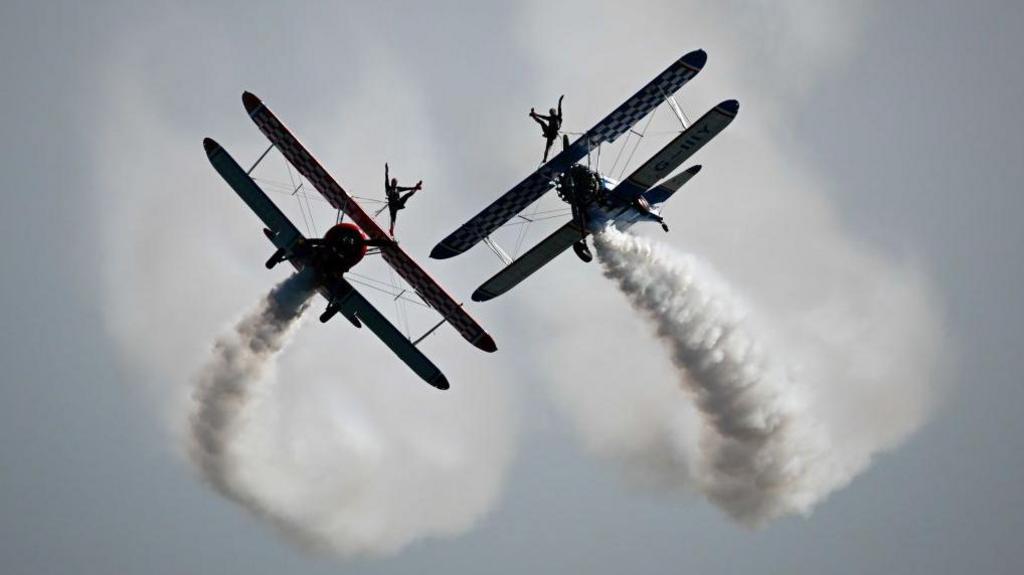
(608, 130)
(502, 254)
(429, 331)
(260, 159)
(671, 100)
(429, 290)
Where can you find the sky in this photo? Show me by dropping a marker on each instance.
(869, 186)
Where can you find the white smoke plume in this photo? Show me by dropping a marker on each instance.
(225, 385)
(335, 442)
(351, 446)
(759, 452)
(319, 464)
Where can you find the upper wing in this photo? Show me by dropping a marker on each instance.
(531, 261)
(607, 130)
(284, 234)
(353, 304)
(680, 149)
(308, 166)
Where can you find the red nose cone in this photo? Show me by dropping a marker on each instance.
(348, 241)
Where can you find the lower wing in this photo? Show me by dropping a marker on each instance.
(534, 259)
(346, 300)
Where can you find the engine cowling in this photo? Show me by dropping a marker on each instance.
(581, 187)
(345, 246)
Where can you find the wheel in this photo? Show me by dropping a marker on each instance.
(582, 251)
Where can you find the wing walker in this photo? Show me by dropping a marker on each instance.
(326, 260)
(596, 202)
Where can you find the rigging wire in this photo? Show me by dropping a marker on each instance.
(401, 296)
(294, 190)
(651, 132)
(621, 149)
(284, 189)
(399, 316)
(522, 232)
(640, 138)
(309, 209)
(534, 220)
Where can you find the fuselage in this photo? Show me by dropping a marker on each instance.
(591, 192)
(341, 248)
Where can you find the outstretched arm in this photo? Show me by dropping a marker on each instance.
(387, 180)
(560, 105)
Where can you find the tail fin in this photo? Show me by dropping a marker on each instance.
(661, 193)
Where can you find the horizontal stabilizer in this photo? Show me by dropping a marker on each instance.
(677, 151)
(661, 193)
(562, 239)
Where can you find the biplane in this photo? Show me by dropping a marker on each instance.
(326, 260)
(597, 201)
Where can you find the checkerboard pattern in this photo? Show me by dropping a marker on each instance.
(641, 104)
(534, 186)
(507, 206)
(428, 289)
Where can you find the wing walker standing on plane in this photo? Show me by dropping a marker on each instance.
(396, 200)
(326, 260)
(597, 201)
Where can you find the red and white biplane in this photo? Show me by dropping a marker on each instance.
(326, 260)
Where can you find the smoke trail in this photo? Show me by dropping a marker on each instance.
(760, 454)
(336, 468)
(224, 386)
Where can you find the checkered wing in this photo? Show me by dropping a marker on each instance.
(508, 205)
(607, 130)
(405, 266)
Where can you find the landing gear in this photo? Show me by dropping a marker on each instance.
(582, 251)
(278, 257)
(331, 310)
(664, 226)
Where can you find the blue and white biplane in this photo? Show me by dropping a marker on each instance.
(597, 201)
